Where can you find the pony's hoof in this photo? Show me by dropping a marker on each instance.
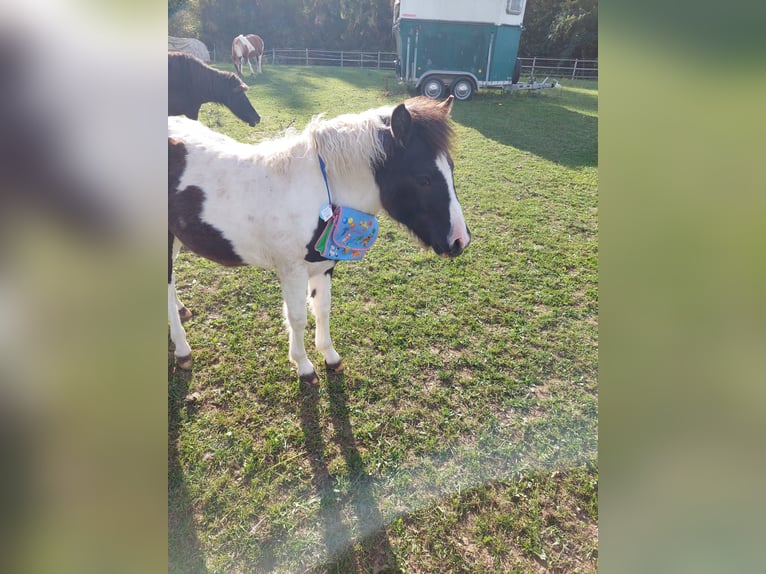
(310, 378)
(184, 314)
(335, 367)
(184, 363)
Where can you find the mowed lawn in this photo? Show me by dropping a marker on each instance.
(462, 435)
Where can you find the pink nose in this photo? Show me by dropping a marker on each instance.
(459, 243)
(459, 239)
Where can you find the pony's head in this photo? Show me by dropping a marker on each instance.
(415, 178)
(235, 98)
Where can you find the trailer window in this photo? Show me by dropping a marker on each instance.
(514, 6)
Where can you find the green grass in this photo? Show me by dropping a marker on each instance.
(462, 436)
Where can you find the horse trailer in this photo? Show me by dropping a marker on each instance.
(460, 46)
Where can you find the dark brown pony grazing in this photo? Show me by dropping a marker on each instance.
(250, 46)
(191, 83)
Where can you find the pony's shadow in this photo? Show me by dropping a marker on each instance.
(374, 553)
(540, 124)
(184, 555)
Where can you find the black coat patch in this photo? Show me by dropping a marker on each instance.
(312, 255)
(184, 209)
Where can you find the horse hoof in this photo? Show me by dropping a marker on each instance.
(336, 367)
(184, 363)
(184, 314)
(310, 378)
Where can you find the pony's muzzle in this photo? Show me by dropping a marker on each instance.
(459, 244)
(456, 248)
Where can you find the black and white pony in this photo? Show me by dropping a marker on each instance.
(191, 83)
(242, 204)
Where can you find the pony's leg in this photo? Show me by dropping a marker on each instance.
(249, 63)
(294, 296)
(177, 332)
(183, 311)
(319, 300)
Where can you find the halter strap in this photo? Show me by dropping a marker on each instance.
(324, 176)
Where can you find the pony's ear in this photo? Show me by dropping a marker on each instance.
(446, 105)
(401, 125)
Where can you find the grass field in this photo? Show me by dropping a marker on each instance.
(462, 435)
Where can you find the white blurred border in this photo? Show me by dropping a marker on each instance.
(82, 382)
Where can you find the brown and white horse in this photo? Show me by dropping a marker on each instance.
(242, 204)
(246, 47)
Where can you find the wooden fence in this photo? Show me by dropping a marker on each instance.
(537, 68)
(540, 68)
(378, 60)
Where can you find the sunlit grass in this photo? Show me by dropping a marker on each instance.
(462, 434)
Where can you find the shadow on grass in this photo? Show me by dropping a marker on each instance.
(556, 127)
(184, 555)
(294, 86)
(372, 552)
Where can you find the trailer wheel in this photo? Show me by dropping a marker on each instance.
(463, 89)
(433, 88)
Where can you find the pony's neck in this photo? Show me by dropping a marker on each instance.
(350, 144)
(213, 91)
(356, 189)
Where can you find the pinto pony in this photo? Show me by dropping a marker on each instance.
(191, 83)
(242, 204)
(250, 46)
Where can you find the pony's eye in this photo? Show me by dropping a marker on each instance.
(423, 180)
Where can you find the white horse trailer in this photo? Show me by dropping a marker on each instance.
(458, 47)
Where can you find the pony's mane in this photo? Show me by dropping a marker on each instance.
(349, 141)
(433, 123)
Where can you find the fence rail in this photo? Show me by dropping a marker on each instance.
(530, 67)
(555, 68)
(351, 58)
(375, 59)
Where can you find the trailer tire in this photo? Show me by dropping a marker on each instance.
(463, 88)
(433, 88)
(516, 72)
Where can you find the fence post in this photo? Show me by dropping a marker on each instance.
(307, 56)
(574, 69)
(378, 60)
(361, 60)
(534, 61)
(273, 56)
(341, 58)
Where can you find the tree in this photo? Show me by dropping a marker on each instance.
(184, 18)
(552, 28)
(281, 23)
(574, 32)
(560, 29)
